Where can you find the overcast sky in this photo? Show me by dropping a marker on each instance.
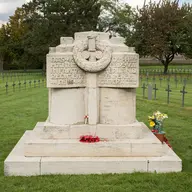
(7, 7)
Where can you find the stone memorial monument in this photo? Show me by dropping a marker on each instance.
(92, 83)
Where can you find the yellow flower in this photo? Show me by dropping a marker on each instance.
(151, 124)
(165, 116)
(151, 117)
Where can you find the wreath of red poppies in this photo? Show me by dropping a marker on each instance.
(89, 139)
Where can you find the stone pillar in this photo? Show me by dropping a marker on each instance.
(92, 92)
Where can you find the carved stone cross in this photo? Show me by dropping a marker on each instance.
(92, 47)
(92, 54)
(91, 43)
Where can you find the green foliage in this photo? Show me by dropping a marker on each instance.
(160, 30)
(12, 34)
(54, 19)
(39, 24)
(117, 19)
(187, 28)
(4, 52)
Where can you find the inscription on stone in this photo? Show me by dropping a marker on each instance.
(122, 72)
(63, 72)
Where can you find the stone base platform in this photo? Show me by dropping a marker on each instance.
(16, 164)
(148, 146)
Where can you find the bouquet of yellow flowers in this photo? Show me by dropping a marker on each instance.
(156, 122)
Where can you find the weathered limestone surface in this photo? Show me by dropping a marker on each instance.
(92, 83)
(16, 164)
(92, 70)
(117, 106)
(63, 72)
(66, 106)
(35, 146)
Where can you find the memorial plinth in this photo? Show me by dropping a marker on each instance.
(95, 77)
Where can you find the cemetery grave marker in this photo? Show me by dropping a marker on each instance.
(150, 92)
(168, 93)
(183, 95)
(155, 93)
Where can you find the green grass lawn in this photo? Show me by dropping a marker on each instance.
(21, 110)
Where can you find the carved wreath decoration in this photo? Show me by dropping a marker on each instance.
(92, 55)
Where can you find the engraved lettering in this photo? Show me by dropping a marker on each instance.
(122, 72)
(63, 72)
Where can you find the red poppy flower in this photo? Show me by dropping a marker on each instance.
(89, 139)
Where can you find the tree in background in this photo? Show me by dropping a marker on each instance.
(54, 19)
(4, 52)
(11, 39)
(187, 27)
(117, 19)
(39, 25)
(159, 30)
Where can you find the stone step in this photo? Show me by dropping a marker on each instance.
(16, 164)
(146, 147)
(130, 131)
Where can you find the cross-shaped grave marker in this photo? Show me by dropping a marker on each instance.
(25, 84)
(19, 85)
(143, 87)
(6, 87)
(39, 82)
(183, 95)
(34, 83)
(155, 89)
(3, 76)
(168, 93)
(30, 84)
(13, 86)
